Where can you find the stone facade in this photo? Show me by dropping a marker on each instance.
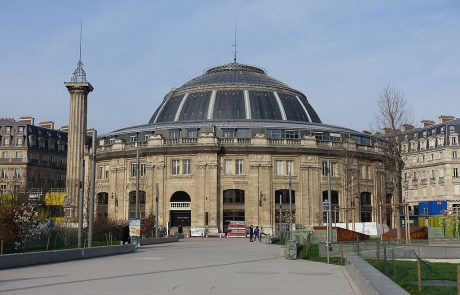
(431, 171)
(227, 146)
(32, 158)
(262, 175)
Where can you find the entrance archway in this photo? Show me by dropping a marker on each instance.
(233, 209)
(180, 209)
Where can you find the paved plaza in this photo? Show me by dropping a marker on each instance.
(194, 266)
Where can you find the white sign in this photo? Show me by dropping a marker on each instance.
(197, 231)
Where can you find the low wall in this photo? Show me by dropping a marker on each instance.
(369, 280)
(43, 257)
(373, 249)
(152, 241)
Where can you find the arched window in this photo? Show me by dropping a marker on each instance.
(180, 196)
(102, 199)
(233, 196)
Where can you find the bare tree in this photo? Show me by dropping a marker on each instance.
(393, 112)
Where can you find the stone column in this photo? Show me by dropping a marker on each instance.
(76, 142)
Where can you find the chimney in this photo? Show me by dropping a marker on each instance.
(47, 124)
(426, 123)
(445, 118)
(387, 130)
(407, 127)
(27, 120)
(64, 128)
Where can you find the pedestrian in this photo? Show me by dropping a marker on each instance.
(261, 233)
(179, 229)
(125, 239)
(256, 233)
(251, 233)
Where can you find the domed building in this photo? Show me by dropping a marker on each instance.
(235, 144)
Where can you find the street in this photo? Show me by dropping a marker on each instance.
(191, 266)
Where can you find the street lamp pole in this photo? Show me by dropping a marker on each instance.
(329, 215)
(137, 181)
(92, 190)
(290, 202)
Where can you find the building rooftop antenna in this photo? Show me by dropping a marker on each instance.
(79, 75)
(81, 34)
(234, 45)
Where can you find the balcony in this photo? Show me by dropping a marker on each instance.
(180, 205)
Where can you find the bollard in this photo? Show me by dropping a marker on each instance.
(458, 279)
(419, 274)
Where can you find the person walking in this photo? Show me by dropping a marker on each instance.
(256, 233)
(125, 238)
(261, 233)
(251, 233)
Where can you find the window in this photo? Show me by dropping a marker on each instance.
(133, 138)
(228, 167)
(277, 133)
(112, 140)
(292, 134)
(452, 128)
(454, 154)
(2, 188)
(6, 141)
(333, 169)
(192, 133)
(61, 177)
(146, 137)
(175, 167)
(324, 168)
(174, 133)
(8, 129)
(433, 175)
(243, 133)
(5, 155)
(100, 170)
(186, 167)
(20, 141)
(4, 173)
(17, 173)
(229, 133)
(455, 173)
(453, 140)
(141, 169)
(279, 167)
(21, 129)
(107, 171)
(18, 155)
(239, 167)
(290, 167)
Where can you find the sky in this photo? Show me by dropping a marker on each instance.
(340, 54)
